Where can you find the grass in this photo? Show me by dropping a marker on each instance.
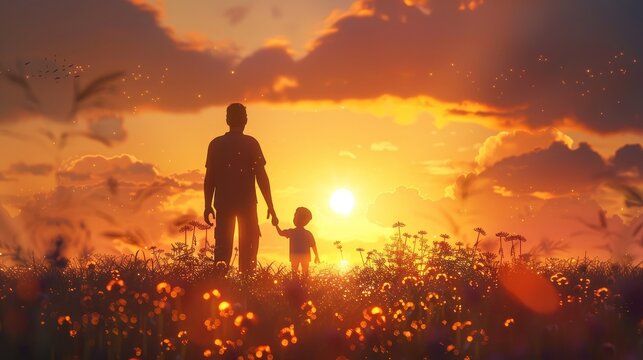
(438, 302)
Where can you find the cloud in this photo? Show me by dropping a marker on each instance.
(264, 72)
(556, 169)
(569, 70)
(106, 204)
(565, 200)
(383, 146)
(347, 154)
(93, 169)
(517, 142)
(22, 168)
(160, 71)
(445, 167)
(480, 61)
(236, 14)
(545, 164)
(629, 159)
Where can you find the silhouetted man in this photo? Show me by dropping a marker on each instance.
(233, 163)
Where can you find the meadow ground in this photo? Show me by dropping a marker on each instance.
(437, 303)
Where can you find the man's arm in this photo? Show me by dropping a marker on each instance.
(208, 193)
(209, 186)
(264, 186)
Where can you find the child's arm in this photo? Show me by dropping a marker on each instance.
(281, 232)
(314, 246)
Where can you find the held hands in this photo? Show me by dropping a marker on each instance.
(206, 215)
(271, 213)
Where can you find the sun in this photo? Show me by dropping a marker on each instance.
(342, 201)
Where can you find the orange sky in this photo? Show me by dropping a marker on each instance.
(401, 146)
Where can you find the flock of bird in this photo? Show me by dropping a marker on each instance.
(50, 68)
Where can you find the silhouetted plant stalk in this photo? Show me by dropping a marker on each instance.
(500, 236)
(521, 239)
(399, 225)
(459, 245)
(369, 256)
(194, 225)
(443, 244)
(360, 251)
(185, 229)
(156, 251)
(206, 244)
(424, 248)
(339, 246)
(513, 238)
(479, 231)
(407, 236)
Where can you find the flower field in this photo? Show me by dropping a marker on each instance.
(438, 303)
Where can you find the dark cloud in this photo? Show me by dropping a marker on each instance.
(99, 39)
(538, 63)
(22, 168)
(629, 158)
(562, 170)
(531, 64)
(557, 170)
(517, 142)
(236, 14)
(252, 70)
(560, 197)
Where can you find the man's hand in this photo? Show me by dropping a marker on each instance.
(271, 213)
(206, 215)
(316, 259)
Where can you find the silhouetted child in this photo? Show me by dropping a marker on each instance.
(301, 240)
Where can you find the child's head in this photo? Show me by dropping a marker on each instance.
(302, 217)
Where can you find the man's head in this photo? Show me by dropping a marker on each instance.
(236, 116)
(302, 217)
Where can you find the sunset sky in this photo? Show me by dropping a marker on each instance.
(522, 117)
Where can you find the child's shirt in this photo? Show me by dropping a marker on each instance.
(301, 240)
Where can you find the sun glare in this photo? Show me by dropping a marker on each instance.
(343, 264)
(342, 201)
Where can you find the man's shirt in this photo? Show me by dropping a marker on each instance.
(234, 159)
